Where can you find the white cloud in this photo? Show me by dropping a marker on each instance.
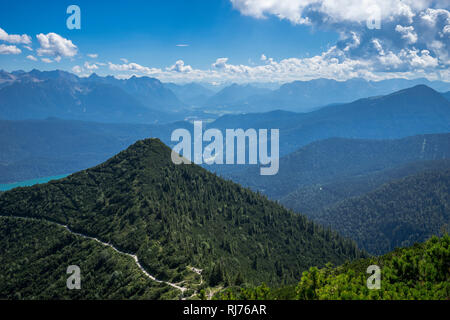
(92, 55)
(90, 66)
(179, 66)
(413, 39)
(220, 63)
(52, 44)
(133, 67)
(182, 45)
(6, 49)
(77, 69)
(46, 60)
(407, 33)
(302, 11)
(28, 48)
(14, 38)
(32, 58)
(124, 60)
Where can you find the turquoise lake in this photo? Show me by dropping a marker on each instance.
(27, 183)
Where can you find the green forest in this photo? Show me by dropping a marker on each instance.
(175, 217)
(419, 272)
(397, 214)
(34, 257)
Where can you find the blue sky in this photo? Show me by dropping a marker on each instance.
(228, 40)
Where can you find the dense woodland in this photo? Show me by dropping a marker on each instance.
(313, 198)
(34, 256)
(419, 272)
(178, 216)
(397, 214)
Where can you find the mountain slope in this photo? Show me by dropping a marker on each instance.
(234, 94)
(446, 95)
(312, 198)
(397, 214)
(334, 159)
(34, 257)
(192, 94)
(178, 216)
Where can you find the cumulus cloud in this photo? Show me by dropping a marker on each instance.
(9, 49)
(92, 55)
(32, 58)
(77, 69)
(133, 67)
(14, 38)
(332, 11)
(414, 34)
(46, 60)
(90, 66)
(53, 44)
(179, 66)
(407, 33)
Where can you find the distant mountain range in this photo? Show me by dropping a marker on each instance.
(42, 94)
(60, 147)
(192, 94)
(408, 112)
(39, 95)
(305, 96)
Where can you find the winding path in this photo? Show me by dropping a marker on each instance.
(135, 258)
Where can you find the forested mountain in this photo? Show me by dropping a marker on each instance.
(420, 272)
(312, 198)
(334, 159)
(397, 214)
(173, 217)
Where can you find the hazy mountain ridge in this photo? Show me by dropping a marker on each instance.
(306, 96)
(334, 159)
(412, 111)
